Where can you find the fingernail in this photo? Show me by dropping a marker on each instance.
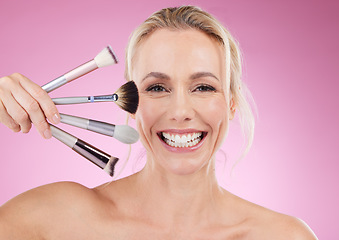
(47, 134)
(56, 119)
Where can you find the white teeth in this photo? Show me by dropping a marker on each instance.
(166, 135)
(180, 141)
(189, 137)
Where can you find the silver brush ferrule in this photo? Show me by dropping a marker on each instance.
(105, 98)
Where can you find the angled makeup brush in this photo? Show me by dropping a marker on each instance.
(126, 97)
(96, 156)
(105, 58)
(123, 133)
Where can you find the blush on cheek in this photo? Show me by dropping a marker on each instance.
(147, 113)
(216, 107)
(146, 117)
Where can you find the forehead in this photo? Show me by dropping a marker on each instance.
(178, 52)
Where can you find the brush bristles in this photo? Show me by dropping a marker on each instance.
(110, 166)
(128, 97)
(125, 134)
(106, 57)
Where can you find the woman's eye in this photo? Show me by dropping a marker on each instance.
(205, 88)
(156, 88)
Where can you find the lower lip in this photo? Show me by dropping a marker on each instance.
(182, 149)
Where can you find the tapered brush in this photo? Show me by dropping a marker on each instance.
(123, 133)
(126, 97)
(105, 58)
(93, 154)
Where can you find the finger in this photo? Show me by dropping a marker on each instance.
(46, 104)
(17, 113)
(8, 120)
(33, 110)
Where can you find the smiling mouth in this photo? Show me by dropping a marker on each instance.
(182, 140)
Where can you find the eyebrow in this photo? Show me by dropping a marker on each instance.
(158, 75)
(203, 74)
(164, 76)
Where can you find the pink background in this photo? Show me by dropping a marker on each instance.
(290, 56)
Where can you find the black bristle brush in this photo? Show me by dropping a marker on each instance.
(126, 97)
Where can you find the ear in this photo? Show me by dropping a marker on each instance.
(232, 109)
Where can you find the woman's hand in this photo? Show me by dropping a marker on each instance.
(23, 102)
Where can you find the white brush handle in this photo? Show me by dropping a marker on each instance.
(123, 133)
(63, 136)
(88, 124)
(89, 99)
(93, 154)
(74, 121)
(70, 100)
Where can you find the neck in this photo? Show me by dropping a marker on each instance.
(180, 198)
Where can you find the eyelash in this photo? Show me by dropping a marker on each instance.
(200, 88)
(205, 88)
(155, 88)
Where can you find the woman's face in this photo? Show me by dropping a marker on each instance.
(182, 116)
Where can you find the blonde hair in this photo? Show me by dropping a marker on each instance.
(191, 17)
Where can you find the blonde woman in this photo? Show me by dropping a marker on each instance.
(187, 68)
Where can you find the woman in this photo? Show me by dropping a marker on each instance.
(187, 69)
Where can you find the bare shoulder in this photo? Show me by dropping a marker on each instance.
(274, 225)
(50, 195)
(295, 228)
(257, 222)
(28, 214)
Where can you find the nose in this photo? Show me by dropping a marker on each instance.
(181, 107)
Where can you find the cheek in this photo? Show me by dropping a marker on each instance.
(215, 114)
(215, 110)
(147, 115)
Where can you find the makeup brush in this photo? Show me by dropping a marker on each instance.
(123, 133)
(126, 97)
(105, 58)
(96, 156)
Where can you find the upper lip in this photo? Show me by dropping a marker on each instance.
(181, 131)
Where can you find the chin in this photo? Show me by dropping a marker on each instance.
(184, 167)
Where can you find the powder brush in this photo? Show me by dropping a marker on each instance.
(105, 58)
(123, 133)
